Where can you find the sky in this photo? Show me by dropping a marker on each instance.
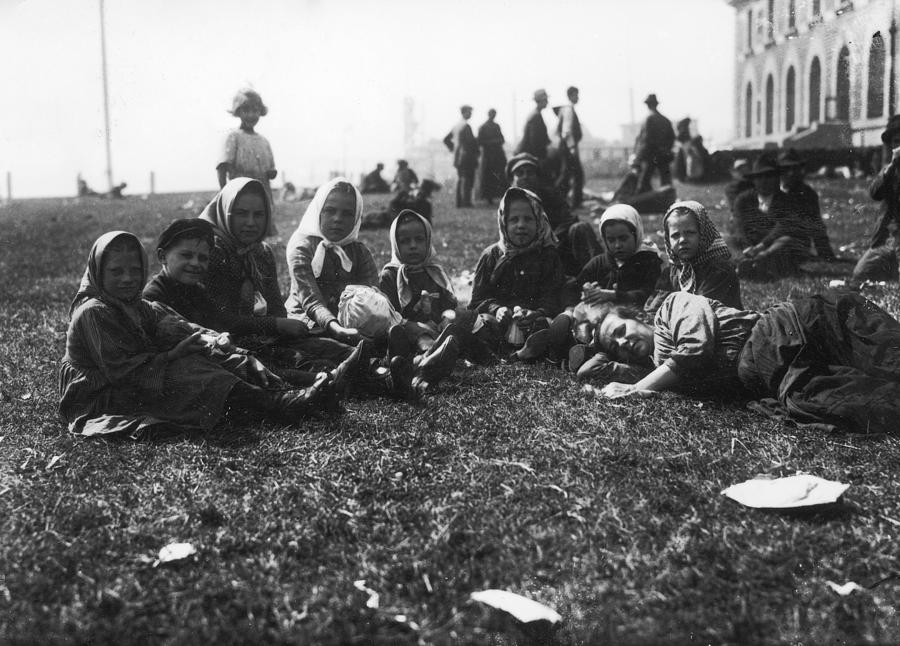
(334, 75)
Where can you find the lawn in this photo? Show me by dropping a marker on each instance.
(509, 477)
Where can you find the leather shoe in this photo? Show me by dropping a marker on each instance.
(535, 347)
(438, 362)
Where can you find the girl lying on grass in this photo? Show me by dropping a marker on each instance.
(699, 259)
(123, 371)
(325, 257)
(831, 359)
(518, 279)
(421, 291)
(183, 251)
(243, 282)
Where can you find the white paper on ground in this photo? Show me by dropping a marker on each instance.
(800, 490)
(847, 588)
(175, 552)
(522, 608)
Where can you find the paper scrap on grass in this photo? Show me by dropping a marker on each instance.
(847, 588)
(374, 598)
(800, 490)
(174, 552)
(522, 608)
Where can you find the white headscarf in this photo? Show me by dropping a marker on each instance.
(310, 225)
(630, 216)
(429, 265)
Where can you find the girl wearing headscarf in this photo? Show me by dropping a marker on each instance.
(520, 276)
(629, 269)
(324, 256)
(700, 262)
(121, 373)
(242, 278)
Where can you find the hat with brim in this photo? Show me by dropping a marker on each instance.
(517, 161)
(893, 126)
(651, 100)
(789, 159)
(765, 164)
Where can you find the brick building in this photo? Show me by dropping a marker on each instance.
(814, 74)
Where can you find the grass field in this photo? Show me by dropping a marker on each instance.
(510, 477)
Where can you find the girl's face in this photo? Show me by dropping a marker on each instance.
(684, 235)
(620, 240)
(249, 115)
(186, 261)
(412, 242)
(627, 340)
(123, 274)
(248, 217)
(521, 223)
(338, 216)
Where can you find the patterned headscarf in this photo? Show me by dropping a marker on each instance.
(543, 238)
(92, 282)
(437, 273)
(310, 225)
(711, 246)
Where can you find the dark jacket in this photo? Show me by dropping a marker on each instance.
(885, 188)
(532, 280)
(634, 281)
(535, 138)
(419, 281)
(462, 143)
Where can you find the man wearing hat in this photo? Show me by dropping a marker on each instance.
(462, 143)
(766, 231)
(535, 138)
(405, 178)
(374, 182)
(569, 130)
(806, 202)
(880, 261)
(577, 242)
(739, 181)
(654, 147)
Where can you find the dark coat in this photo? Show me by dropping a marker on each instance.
(462, 143)
(535, 139)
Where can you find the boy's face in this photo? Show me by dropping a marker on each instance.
(684, 235)
(412, 242)
(249, 218)
(249, 115)
(521, 223)
(123, 274)
(525, 176)
(620, 240)
(186, 261)
(338, 216)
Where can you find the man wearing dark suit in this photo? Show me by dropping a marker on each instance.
(462, 143)
(569, 131)
(654, 147)
(535, 138)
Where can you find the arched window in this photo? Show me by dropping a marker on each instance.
(842, 87)
(770, 104)
(749, 29)
(789, 99)
(816, 8)
(875, 99)
(815, 90)
(792, 16)
(748, 111)
(770, 21)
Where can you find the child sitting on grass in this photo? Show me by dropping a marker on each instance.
(420, 290)
(518, 280)
(242, 279)
(325, 257)
(183, 251)
(119, 374)
(699, 259)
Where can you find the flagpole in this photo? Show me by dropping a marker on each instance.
(109, 173)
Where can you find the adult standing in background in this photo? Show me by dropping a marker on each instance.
(571, 174)
(654, 147)
(535, 138)
(493, 159)
(462, 143)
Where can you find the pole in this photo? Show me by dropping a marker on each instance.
(8, 186)
(109, 173)
(515, 124)
(152, 183)
(892, 81)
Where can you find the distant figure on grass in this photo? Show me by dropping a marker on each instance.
(692, 160)
(325, 258)
(421, 291)
(654, 147)
(83, 189)
(405, 179)
(462, 143)
(880, 262)
(535, 139)
(806, 203)
(827, 360)
(123, 373)
(653, 201)
(767, 234)
(493, 159)
(739, 181)
(576, 240)
(247, 153)
(184, 251)
(518, 280)
(568, 128)
(418, 200)
(699, 260)
(374, 182)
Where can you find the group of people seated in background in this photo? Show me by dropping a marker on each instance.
(212, 335)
